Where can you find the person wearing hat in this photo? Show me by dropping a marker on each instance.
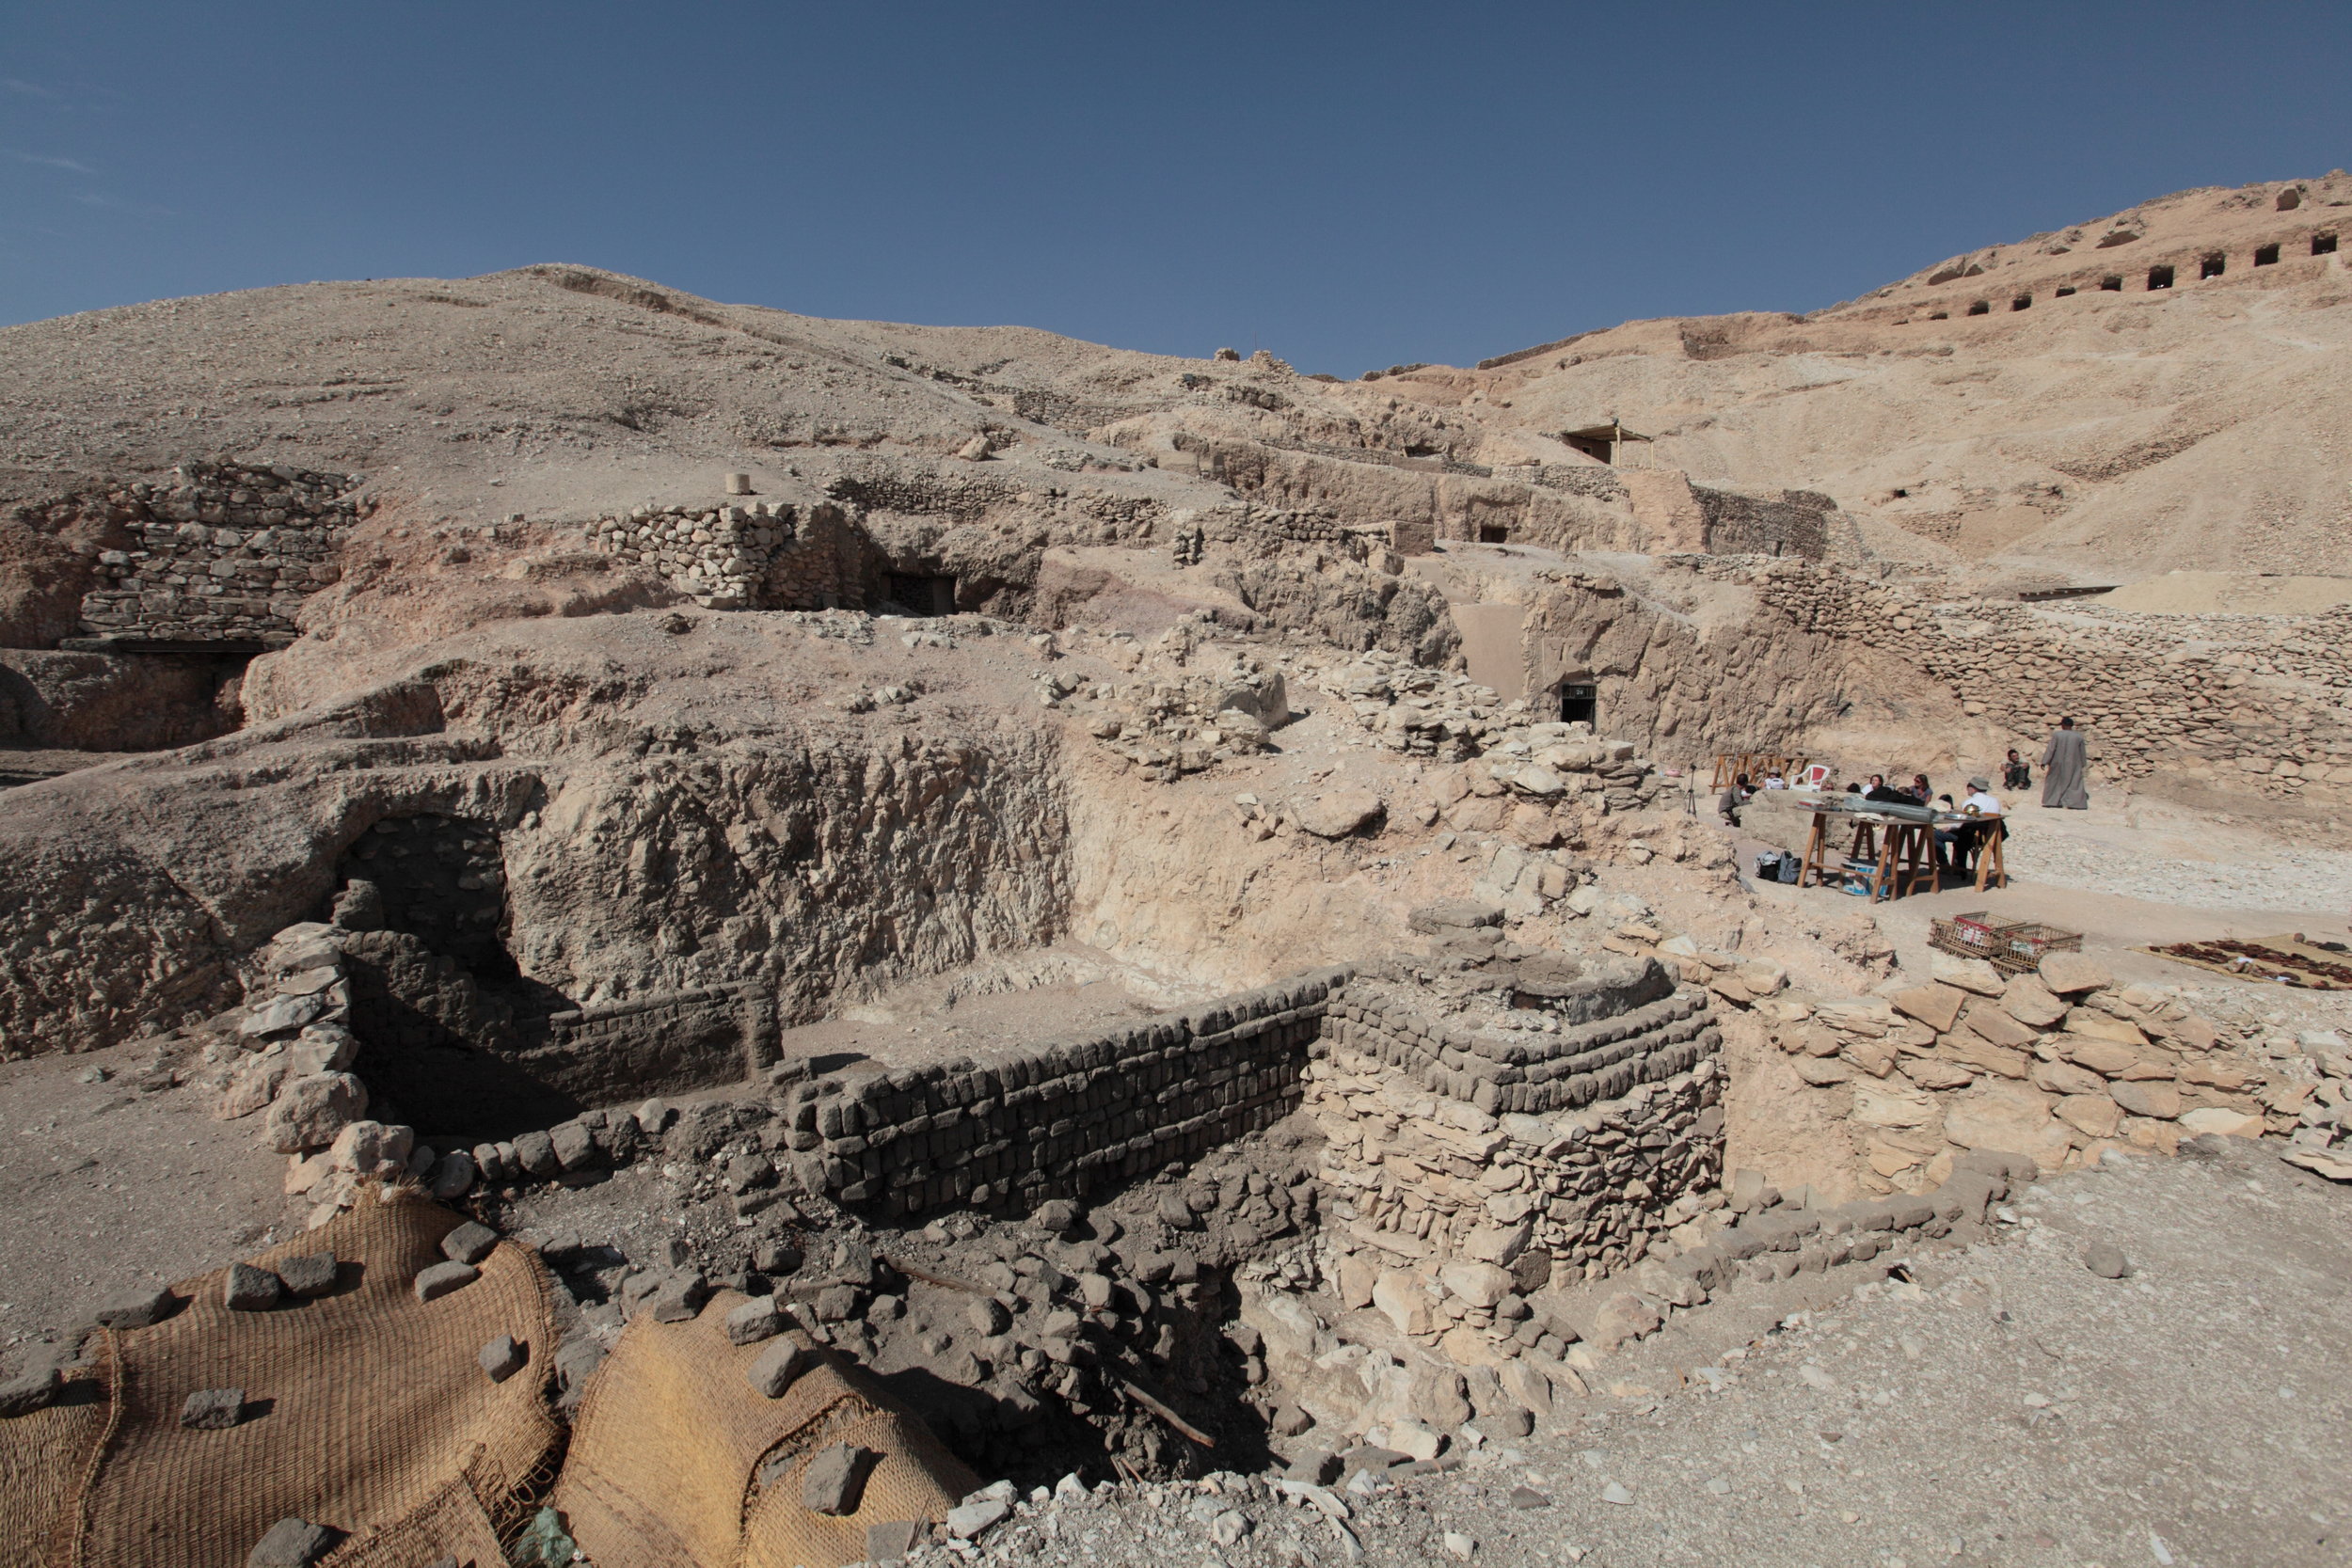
(1984, 811)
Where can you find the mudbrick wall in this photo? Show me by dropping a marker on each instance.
(224, 552)
(1066, 1118)
(2231, 702)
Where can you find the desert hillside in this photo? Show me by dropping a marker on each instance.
(2104, 432)
(2084, 419)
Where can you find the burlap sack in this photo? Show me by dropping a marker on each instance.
(367, 1410)
(45, 1458)
(661, 1473)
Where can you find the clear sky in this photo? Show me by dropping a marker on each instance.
(1350, 185)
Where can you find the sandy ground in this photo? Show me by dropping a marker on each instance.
(107, 1186)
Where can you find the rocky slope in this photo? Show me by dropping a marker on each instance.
(2106, 433)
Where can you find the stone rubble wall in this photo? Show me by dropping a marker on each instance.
(2043, 1065)
(764, 556)
(1067, 1118)
(224, 552)
(2227, 702)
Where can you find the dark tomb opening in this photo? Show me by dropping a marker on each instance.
(1579, 705)
(920, 594)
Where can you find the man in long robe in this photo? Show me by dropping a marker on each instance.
(2063, 769)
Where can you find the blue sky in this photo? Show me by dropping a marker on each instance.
(1348, 186)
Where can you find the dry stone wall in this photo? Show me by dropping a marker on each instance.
(768, 555)
(1794, 524)
(224, 551)
(2241, 703)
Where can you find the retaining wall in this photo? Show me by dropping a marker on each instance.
(1067, 1117)
(224, 552)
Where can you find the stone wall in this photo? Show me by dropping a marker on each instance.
(223, 552)
(1597, 1037)
(1794, 524)
(1065, 1120)
(2233, 703)
(765, 556)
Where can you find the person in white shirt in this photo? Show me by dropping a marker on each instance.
(1773, 781)
(1987, 810)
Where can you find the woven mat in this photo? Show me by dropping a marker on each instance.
(660, 1469)
(44, 1458)
(376, 1407)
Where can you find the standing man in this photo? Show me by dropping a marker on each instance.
(2063, 769)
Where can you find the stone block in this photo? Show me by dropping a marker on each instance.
(470, 1242)
(293, 1544)
(778, 1368)
(1399, 1297)
(2071, 973)
(2158, 1099)
(308, 1274)
(2008, 1119)
(503, 1358)
(2030, 1002)
(2222, 1120)
(535, 1153)
(1997, 1026)
(135, 1309)
(247, 1289)
(834, 1480)
(213, 1409)
(750, 1322)
(441, 1278)
(1935, 1006)
(2094, 1115)
(310, 1111)
(1969, 974)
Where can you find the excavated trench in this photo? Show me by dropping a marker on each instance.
(1179, 1238)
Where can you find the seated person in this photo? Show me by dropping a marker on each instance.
(1728, 805)
(1947, 849)
(2014, 773)
(1986, 812)
(1920, 789)
(1773, 781)
(1878, 791)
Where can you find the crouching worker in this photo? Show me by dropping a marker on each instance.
(1728, 805)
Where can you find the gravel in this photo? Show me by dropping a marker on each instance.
(2004, 1405)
